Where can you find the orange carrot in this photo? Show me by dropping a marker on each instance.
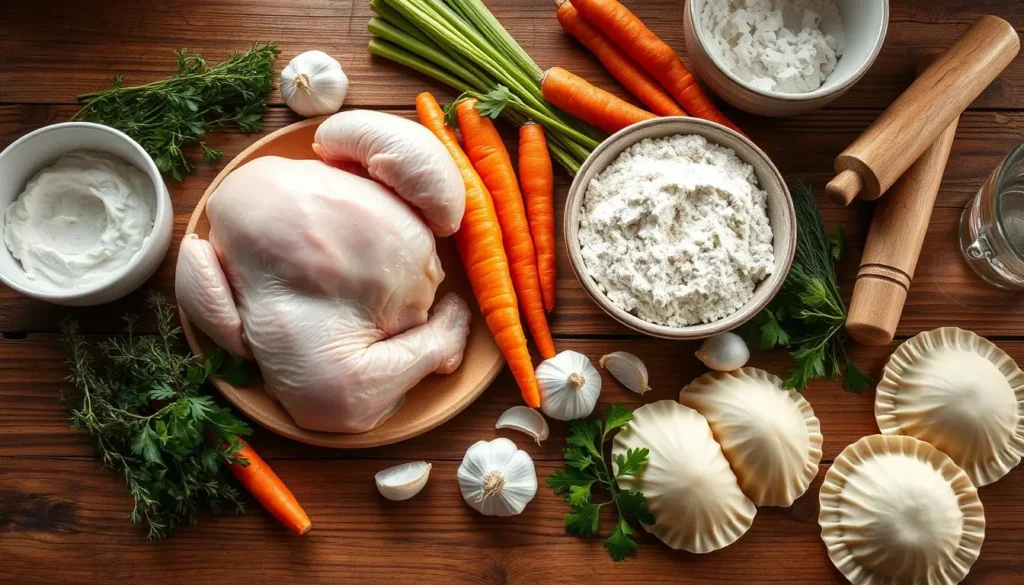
(643, 87)
(490, 159)
(651, 53)
(268, 489)
(538, 180)
(589, 103)
(479, 243)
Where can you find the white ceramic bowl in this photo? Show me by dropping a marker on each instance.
(865, 23)
(781, 216)
(20, 161)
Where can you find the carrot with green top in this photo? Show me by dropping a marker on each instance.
(479, 241)
(486, 151)
(589, 103)
(538, 180)
(653, 54)
(643, 87)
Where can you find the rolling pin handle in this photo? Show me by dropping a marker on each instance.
(844, 187)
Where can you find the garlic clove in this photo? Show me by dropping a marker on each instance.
(628, 369)
(569, 386)
(724, 352)
(496, 478)
(404, 481)
(314, 84)
(525, 420)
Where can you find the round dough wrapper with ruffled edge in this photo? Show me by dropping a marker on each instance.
(895, 510)
(962, 394)
(769, 435)
(690, 489)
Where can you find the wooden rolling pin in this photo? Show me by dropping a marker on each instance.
(869, 166)
(894, 244)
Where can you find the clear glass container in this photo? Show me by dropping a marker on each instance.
(992, 225)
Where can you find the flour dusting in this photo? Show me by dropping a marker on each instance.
(676, 231)
(788, 46)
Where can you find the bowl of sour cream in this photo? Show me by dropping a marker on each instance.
(84, 213)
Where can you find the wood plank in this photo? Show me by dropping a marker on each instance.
(944, 288)
(33, 422)
(53, 51)
(78, 514)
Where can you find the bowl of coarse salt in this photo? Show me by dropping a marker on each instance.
(680, 228)
(783, 57)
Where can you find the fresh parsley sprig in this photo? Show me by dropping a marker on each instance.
(808, 315)
(586, 469)
(150, 421)
(168, 115)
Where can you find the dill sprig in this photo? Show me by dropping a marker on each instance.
(808, 315)
(150, 422)
(168, 115)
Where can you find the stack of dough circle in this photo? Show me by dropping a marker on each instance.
(962, 394)
(895, 510)
(690, 489)
(769, 435)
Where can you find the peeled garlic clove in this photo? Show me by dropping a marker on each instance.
(525, 420)
(404, 481)
(496, 478)
(628, 369)
(569, 386)
(724, 352)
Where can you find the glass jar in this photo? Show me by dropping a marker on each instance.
(992, 225)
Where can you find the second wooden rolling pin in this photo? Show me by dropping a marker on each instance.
(894, 245)
(869, 166)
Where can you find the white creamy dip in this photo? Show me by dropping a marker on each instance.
(80, 219)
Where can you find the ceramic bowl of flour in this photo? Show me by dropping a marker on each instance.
(750, 164)
(732, 61)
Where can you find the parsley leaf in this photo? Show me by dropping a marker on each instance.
(632, 462)
(808, 315)
(586, 469)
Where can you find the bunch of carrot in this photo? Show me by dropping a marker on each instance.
(506, 244)
(642, 62)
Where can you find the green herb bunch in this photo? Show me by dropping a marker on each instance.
(150, 422)
(586, 468)
(808, 315)
(168, 115)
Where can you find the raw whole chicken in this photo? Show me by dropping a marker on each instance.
(326, 278)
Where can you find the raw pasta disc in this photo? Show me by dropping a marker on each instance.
(959, 392)
(769, 435)
(895, 510)
(696, 502)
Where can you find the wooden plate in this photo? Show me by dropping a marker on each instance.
(433, 401)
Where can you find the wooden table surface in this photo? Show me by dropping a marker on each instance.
(63, 519)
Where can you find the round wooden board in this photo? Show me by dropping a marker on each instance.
(433, 401)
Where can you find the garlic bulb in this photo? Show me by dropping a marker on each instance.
(525, 420)
(404, 481)
(569, 386)
(724, 352)
(628, 369)
(496, 478)
(313, 84)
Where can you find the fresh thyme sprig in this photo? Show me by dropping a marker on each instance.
(808, 315)
(168, 115)
(150, 422)
(585, 468)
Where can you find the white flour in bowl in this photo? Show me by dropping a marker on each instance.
(788, 46)
(676, 231)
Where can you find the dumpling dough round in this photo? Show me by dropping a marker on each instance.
(895, 510)
(962, 394)
(769, 435)
(690, 489)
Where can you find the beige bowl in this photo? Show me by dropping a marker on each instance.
(864, 22)
(781, 216)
